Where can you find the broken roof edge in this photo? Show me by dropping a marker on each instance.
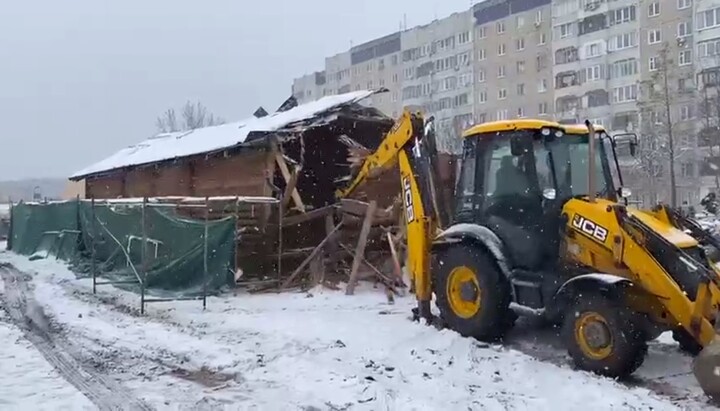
(174, 146)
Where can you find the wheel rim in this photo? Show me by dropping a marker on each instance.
(464, 292)
(593, 335)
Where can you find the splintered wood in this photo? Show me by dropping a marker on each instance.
(363, 245)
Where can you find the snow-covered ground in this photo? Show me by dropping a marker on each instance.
(27, 381)
(315, 351)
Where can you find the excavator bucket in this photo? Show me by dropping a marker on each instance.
(706, 368)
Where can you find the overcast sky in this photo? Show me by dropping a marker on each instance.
(80, 79)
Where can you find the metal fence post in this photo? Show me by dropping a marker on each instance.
(93, 227)
(205, 251)
(143, 256)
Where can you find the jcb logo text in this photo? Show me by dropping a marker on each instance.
(590, 228)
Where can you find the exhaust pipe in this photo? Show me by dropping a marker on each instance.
(591, 161)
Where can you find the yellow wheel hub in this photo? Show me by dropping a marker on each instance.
(593, 336)
(463, 292)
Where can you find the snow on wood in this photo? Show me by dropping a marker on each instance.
(168, 146)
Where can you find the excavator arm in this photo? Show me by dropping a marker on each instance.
(410, 144)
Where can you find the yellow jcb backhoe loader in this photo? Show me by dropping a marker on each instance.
(541, 227)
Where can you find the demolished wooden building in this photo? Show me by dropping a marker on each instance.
(300, 154)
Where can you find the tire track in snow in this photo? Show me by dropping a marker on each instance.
(105, 393)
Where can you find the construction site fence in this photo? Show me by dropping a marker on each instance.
(182, 258)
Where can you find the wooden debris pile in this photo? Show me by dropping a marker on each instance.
(362, 242)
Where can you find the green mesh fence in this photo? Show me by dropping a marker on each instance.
(30, 224)
(175, 254)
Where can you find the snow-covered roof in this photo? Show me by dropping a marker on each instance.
(168, 146)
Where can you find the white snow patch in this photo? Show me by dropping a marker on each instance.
(181, 144)
(291, 351)
(27, 381)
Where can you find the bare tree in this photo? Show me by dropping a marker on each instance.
(660, 140)
(194, 116)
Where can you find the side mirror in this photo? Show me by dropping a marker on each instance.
(624, 192)
(430, 126)
(549, 193)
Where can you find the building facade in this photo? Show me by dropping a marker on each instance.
(437, 75)
(512, 59)
(567, 60)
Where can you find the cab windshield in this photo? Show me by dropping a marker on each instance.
(570, 157)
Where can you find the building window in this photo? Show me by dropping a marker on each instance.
(482, 97)
(501, 49)
(709, 48)
(502, 94)
(502, 114)
(709, 18)
(395, 78)
(684, 29)
(685, 58)
(592, 50)
(688, 170)
(481, 76)
(542, 108)
(683, 4)
(482, 32)
(654, 36)
(653, 63)
(519, 21)
(482, 55)
(521, 89)
(538, 16)
(464, 37)
(520, 65)
(501, 71)
(500, 27)
(623, 41)
(654, 9)
(622, 15)
(686, 113)
(520, 112)
(542, 39)
(593, 73)
(625, 93)
(565, 30)
(623, 68)
(520, 44)
(542, 85)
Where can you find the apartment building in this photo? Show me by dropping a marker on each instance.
(310, 87)
(377, 64)
(513, 60)
(338, 69)
(596, 70)
(437, 75)
(707, 41)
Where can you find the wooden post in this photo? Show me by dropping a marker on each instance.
(309, 258)
(360, 250)
(288, 177)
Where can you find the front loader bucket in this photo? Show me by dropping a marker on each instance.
(706, 368)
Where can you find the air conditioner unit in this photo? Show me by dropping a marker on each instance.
(592, 6)
(681, 41)
(538, 23)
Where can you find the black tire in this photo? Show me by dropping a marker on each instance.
(494, 317)
(687, 342)
(628, 347)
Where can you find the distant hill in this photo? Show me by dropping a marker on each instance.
(51, 188)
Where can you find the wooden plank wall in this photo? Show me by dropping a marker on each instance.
(240, 174)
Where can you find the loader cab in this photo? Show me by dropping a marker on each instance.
(515, 177)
